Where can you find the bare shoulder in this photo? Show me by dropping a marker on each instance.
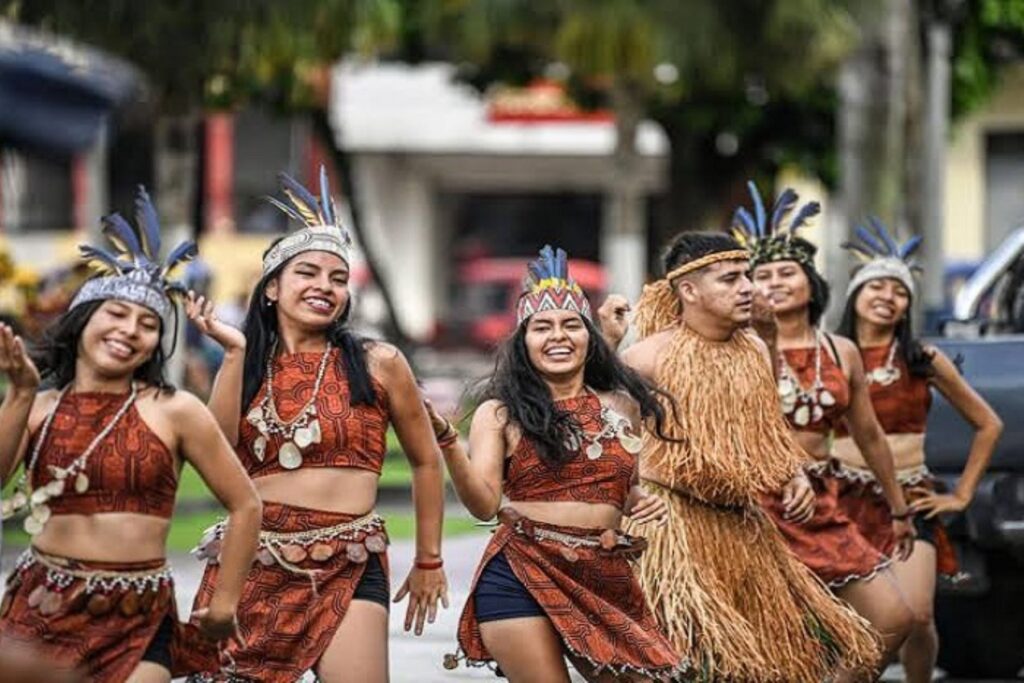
(178, 404)
(491, 414)
(643, 356)
(847, 350)
(385, 360)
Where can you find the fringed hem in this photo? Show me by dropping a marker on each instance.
(908, 477)
(681, 670)
(880, 567)
(739, 605)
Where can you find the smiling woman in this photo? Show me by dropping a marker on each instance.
(103, 438)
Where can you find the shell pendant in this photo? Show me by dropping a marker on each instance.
(259, 448)
(290, 456)
(595, 450)
(826, 399)
(302, 437)
(81, 482)
(802, 416)
(632, 444)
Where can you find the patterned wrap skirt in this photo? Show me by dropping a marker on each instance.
(583, 580)
(306, 571)
(97, 618)
(861, 499)
(831, 544)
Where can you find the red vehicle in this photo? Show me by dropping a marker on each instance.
(485, 295)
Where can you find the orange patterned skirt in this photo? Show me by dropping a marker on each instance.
(862, 501)
(584, 582)
(97, 618)
(830, 544)
(301, 583)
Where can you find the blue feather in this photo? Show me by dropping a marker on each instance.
(284, 207)
(807, 211)
(99, 255)
(561, 264)
(148, 224)
(856, 248)
(304, 195)
(117, 229)
(892, 247)
(868, 239)
(186, 251)
(758, 208)
(744, 221)
(910, 247)
(325, 197)
(783, 205)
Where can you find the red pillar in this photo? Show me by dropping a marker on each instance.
(80, 214)
(218, 190)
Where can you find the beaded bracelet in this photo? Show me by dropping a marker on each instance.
(905, 515)
(448, 437)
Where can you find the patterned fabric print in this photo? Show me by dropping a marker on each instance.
(802, 363)
(606, 479)
(830, 544)
(104, 638)
(353, 436)
(130, 471)
(287, 618)
(592, 599)
(902, 407)
(870, 511)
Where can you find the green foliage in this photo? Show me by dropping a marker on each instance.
(989, 34)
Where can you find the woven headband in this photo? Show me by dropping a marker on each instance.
(731, 255)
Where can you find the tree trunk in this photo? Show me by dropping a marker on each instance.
(393, 329)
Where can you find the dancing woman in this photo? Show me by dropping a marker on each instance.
(820, 384)
(307, 405)
(557, 437)
(103, 444)
(901, 372)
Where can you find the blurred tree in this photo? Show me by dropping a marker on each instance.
(219, 54)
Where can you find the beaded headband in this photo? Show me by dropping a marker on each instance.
(883, 256)
(767, 237)
(132, 271)
(323, 227)
(548, 287)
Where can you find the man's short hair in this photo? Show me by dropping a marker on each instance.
(690, 246)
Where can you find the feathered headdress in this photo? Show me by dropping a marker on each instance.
(882, 256)
(548, 287)
(773, 238)
(322, 230)
(132, 271)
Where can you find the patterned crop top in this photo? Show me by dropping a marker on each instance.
(902, 406)
(606, 479)
(131, 469)
(801, 361)
(351, 436)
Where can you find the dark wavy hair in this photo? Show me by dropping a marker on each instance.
(527, 397)
(261, 337)
(56, 353)
(911, 350)
(692, 245)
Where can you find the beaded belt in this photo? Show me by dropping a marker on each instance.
(358, 537)
(99, 590)
(609, 541)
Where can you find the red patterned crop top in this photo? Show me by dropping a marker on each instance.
(131, 469)
(351, 436)
(606, 479)
(901, 406)
(802, 363)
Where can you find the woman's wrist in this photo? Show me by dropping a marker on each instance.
(901, 514)
(429, 564)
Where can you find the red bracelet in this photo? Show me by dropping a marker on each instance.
(429, 564)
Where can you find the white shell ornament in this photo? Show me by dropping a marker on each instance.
(32, 526)
(632, 444)
(595, 450)
(303, 437)
(826, 399)
(314, 429)
(290, 456)
(259, 447)
(802, 416)
(81, 483)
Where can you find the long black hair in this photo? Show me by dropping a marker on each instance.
(911, 350)
(527, 397)
(261, 336)
(57, 351)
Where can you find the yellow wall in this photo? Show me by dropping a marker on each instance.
(964, 232)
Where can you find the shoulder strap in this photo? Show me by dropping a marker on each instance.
(835, 352)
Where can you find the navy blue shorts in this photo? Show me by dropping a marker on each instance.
(373, 585)
(500, 594)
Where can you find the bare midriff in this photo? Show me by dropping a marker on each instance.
(571, 513)
(907, 451)
(333, 489)
(105, 537)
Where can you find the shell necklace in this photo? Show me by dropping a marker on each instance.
(36, 500)
(614, 424)
(888, 373)
(804, 405)
(299, 432)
